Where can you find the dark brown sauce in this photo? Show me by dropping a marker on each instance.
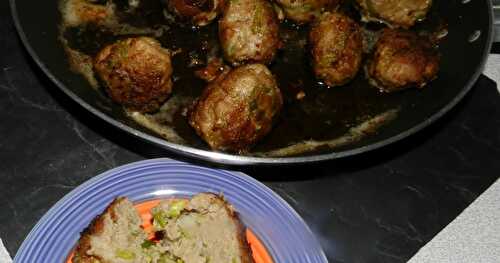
(323, 114)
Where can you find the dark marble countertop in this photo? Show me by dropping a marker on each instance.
(378, 207)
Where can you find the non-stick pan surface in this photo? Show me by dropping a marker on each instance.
(464, 52)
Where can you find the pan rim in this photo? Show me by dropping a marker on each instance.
(230, 159)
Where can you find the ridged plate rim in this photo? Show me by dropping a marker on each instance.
(286, 236)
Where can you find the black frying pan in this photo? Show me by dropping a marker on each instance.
(322, 115)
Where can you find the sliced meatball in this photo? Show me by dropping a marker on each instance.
(237, 109)
(115, 235)
(136, 73)
(205, 229)
(395, 13)
(200, 12)
(304, 11)
(248, 32)
(401, 60)
(337, 48)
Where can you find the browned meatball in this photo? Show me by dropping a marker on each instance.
(136, 72)
(337, 48)
(304, 11)
(396, 13)
(200, 12)
(237, 109)
(78, 12)
(248, 32)
(401, 60)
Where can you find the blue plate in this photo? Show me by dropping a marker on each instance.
(285, 235)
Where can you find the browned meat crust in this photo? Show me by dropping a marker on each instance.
(248, 32)
(401, 60)
(136, 72)
(337, 48)
(95, 228)
(396, 13)
(205, 205)
(237, 109)
(245, 250)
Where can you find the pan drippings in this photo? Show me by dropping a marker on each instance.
(312, 113)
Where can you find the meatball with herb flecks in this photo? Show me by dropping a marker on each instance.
(136, 73)
(402, 59)
(248, 32)
(304, 11)
(237, 109)
(395, 13)
(336, 48)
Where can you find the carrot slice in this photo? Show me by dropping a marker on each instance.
(259, 252)
(144, 210)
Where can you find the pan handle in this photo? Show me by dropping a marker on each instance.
(496, 19)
